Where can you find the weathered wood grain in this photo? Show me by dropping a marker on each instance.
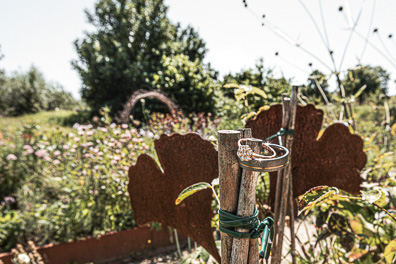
(246, 204)
(229, 180)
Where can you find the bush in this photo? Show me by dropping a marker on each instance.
(58, 186)
(29, 92)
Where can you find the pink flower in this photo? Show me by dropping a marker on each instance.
(73, 150)
(41, 153)
(124, 126)
(126, 135)
(113, 125)
(56, 162)
(117, 132)
(90, 133)
(80, 132)
(103, 129)
(77, 139)
(100, 153)
(126, 168)
(137, 140)
(46, 158)
(66, 147)
(111, 144)
(29, 149)
(86, 155)
(57, 153)
(95, 150)
(117, 158)
(11, 157)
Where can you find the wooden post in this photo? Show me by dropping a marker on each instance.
(229, 181)
(254, 257)
(286, 184)
(289, 145)
(279, 179)
(292, 234)
(246, 205)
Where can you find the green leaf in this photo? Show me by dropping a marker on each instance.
(258, 91)
(246, 88)
(336, 98)
(240, 97)
(373, 196)
(191, 190)
(314, 197)
(360, 91)
(250, 115)
(361, 227)
(231, 85)
(389, 252)
(338, 224)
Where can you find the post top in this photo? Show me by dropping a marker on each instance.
(229, 132)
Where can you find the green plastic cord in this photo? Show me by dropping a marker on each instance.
(280, 133)
(252, 223)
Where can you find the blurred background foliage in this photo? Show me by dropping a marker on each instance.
(60, 183)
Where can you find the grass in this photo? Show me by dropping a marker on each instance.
(46, 120)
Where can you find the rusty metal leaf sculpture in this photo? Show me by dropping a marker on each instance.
(335, 159)
(185, 160)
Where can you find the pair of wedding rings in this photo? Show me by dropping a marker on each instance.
(275, 158)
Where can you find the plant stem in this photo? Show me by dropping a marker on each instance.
(215, 195)
(386, 211)
(177, 243)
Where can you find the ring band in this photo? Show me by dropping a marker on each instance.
(255, 162)
(245, 153)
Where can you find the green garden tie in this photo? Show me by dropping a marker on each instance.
(280, 133)
(251, 223)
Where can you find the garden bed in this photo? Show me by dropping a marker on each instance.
(111, 246)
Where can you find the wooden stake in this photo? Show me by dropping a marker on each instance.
(292, 233)
(285, 121)
(229, 181)
(286, 184)
(254, 257)
(289, 144)
(246, 205)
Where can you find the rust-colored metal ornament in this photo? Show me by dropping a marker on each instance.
(334, 159)
(185, 160)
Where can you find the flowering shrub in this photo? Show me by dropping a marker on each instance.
(57, 186)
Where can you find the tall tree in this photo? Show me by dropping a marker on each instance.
(29, 92)
(262, 78)
(130, 50)
(376, 79)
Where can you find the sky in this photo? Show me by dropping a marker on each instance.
(42, 33)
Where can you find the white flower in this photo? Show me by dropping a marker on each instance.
(23, 258)
(11, 157)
